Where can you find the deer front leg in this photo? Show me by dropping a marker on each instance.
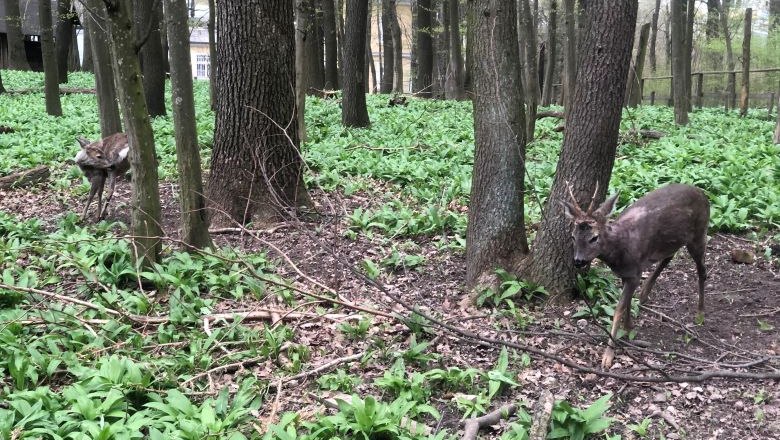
(650, 282)
(111, 184)
(621, 311)
(95, 186)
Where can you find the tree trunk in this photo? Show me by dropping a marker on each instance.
(688, 54)
(731, 80)
(331, 48)
(314, 73)
(194, 224)
(63, 39)
(74, 61)
(454, 84)
(370, 66)
(212, 54)
(634, 92)
(774, 18)
(354, 112)
(256, 167)
(386, 85)
(531, 79)
(17, 57)
(552, 29)
(744, 94)
(302, 17)
(654, 35)
(468, 75)
(87, 65)
(147, 31)
(712, 28)
(496, 235)
(52, 88)
(340, 41)
(776, 138)
(398, 48)
(424, 73)
(569, 56)
(441, 51)
(2, 88)
(110, 122)
(145, 217)
(678, 9)
(590, 139)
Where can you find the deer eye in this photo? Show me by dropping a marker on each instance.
(594, 239)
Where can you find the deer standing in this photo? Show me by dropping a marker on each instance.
(106, 158)
(649, 231)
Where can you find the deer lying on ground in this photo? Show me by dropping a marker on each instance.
(106, 158)
(649, 231)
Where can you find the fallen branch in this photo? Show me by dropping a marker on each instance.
(25, 178)
(322, 368)
(549, 114)
(227, 368)
(472, 426)
(542, 414)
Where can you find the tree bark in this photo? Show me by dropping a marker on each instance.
(679, 83)
(731, 80)
(531, 79)
(744, 95)
(424, 73)
(256, 167)
(634, 92)
(441, 49)
(654, 35)
(569, 56)
(212, 54)
(194, 222)
(398, 48)
(17, 57)
(712, 28)
(52, 88)
(95, 17)
(454, 84)
(74, 61)
(312, 53)
(590, 139)
(370, 66)
(691, 8)
(496, 235)
(2, 87)
(468, 75)
(87, 65)
(774, 18)
(331, 48)
(145, 216)
(552, 29)
(386, 85)
(776, 138)
(354, 112)
(63, 39)
(147, 29)
(302, 16)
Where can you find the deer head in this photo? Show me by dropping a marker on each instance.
(588, 227)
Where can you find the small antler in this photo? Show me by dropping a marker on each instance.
(575, 205)
(593, 199)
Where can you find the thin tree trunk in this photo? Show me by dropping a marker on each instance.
(679, 82)
(194, 223)
(331, 48)
(52, 88)
(370, 66)
(744, 94)
(17, 56)
(74, 61)
(212, 54)
(654, 35)
(776, 138)
(569, 56)
(95, 19)
(532, 80)
(441, 42)
(147, 31)
(386, 85)
(634, 92)
(590, 139)
(2, 87)
(302, 22)
(354, 112)
(424, 80)
(552, 29)
(468, 75)
(691, 8)
(340, 41)
(398, 48)
(314, 76)
(454, 85)
(496, 233)
(730, 65)
(712, 29)
(145, 216)
(63, 39)
(88, 64)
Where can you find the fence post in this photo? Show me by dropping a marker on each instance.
(731, 91)
(699, 90)
(652, 97)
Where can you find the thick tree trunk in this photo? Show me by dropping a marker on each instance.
(52, 88)
(454, 84)
(552, 29)
(654, 35)
(145, 217)
(398, 48)
(386, 85)
(95, 17)
(731, 80)
(531, 79)
(88, 65)
(496, 233)
(74, 61)
(591, 136)
(17, 57)
(331, 48)
(212, 54)
(312, 53)
(354, 112)
(634, 92)
(679, 83)
(194, 223)
(569, 56)
(256, 167)
(302, 17)
(147, 31)
(63, 39)
(744, 94)
(423, 82)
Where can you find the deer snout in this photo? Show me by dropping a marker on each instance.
(579, 263)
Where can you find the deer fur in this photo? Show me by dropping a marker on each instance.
(106, 158)
(650, 231)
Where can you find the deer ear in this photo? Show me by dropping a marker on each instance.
(608, 207)
(83, 142)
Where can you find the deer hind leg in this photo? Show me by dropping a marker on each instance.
(622, 311)
(111, 185)
(697, 251)
(650, 282)
(95, 187)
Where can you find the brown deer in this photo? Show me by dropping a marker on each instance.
(649, 231)
(106, 158)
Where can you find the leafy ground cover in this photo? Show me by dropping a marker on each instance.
(227, 343)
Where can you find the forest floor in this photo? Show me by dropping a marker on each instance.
(740, 331)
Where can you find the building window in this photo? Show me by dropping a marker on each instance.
(202, 66)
